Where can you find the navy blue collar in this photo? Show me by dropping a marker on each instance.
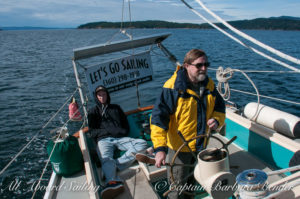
(182, 82)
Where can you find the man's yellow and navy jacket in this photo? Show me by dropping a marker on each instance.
(181, 109)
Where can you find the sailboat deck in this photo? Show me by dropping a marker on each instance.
(76, 187)
(68, 186)
(138, 184)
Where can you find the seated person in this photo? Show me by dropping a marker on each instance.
(109, 127)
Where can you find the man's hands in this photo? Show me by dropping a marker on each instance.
(160, 159)
(212, 124)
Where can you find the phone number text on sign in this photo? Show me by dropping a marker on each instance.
(120, 71)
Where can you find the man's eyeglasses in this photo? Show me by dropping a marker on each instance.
(199, 65)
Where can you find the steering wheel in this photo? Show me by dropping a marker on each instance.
(207, 136)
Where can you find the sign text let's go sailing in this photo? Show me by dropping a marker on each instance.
(120, 73)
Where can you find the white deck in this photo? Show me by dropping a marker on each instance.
(68, 187)
(138, 178)
(136, 185)
(76, 187)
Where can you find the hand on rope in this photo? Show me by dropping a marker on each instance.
(223, 76)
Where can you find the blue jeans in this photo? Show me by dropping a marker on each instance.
(106, 149)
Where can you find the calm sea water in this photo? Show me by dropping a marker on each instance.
(37, 77)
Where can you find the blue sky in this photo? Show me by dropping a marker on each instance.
(71, 13)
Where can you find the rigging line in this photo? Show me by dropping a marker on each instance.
(113, 36)
(262, 71)
(82, 66)
(130, 26)
(239, 41)
(170, 56)
(158, 54)
(289, 169)
(127, 53)
(224, 75)
(55, 142)
(257, 93)
(287, 186)
(44, 169)
(257, 71)
(27, 145)
(122, 29)
(273, 98)
(122, 15)
(129, 11)
(121, 26)
(270, 49)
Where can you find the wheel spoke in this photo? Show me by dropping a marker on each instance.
(185, 144)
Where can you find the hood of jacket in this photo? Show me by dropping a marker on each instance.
(95, 95)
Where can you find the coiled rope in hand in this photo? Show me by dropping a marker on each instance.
(223, 76)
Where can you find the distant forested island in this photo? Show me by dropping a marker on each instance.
(28, 28)
(272, 23)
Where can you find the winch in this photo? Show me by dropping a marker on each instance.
(252, 184)
(213, 173)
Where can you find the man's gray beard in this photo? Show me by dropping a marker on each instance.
(201, 77)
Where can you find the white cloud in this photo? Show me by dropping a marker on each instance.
(177, 4)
